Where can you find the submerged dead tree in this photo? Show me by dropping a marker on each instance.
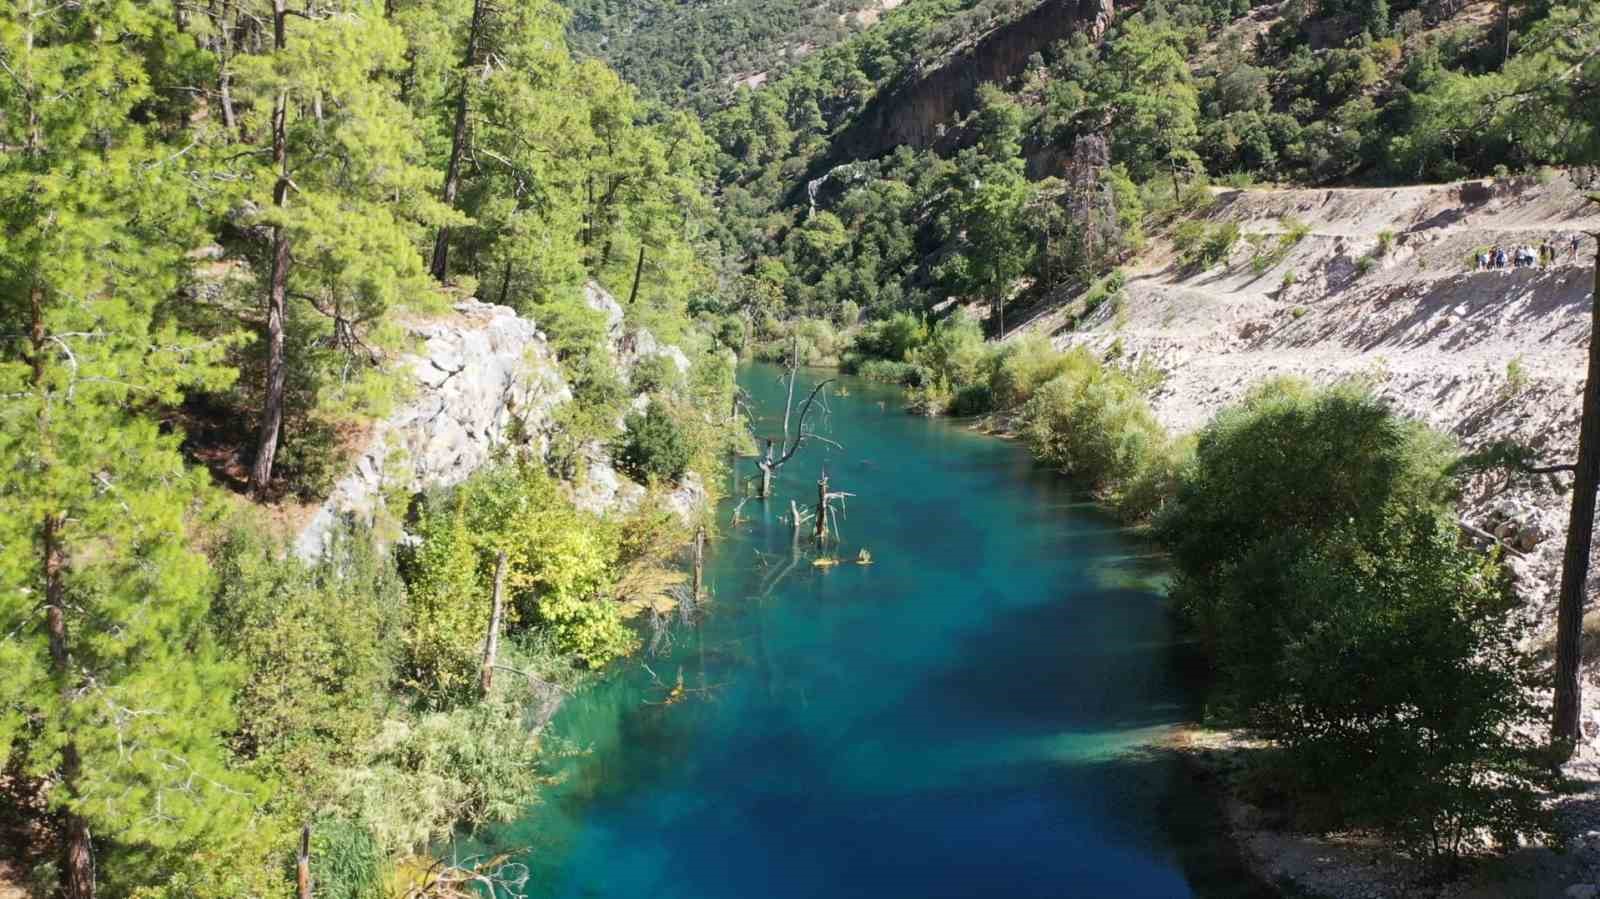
(793, 438)
(491, 641)
(825, 501)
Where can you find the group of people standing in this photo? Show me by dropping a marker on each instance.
(1527, 256)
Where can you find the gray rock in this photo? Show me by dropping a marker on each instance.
(478, 384)
(480, 381)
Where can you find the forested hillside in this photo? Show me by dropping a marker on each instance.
(222, 226)
(696, 53)
(1062, 165)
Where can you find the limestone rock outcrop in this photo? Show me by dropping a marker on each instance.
(484, 378)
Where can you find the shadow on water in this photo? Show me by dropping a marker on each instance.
(970, 715)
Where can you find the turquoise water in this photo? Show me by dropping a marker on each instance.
(963, 717)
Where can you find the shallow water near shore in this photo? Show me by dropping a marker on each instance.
(972, 714)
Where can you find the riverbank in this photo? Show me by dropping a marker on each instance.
(1359, 866)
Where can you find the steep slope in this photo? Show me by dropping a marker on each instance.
(915, 111)
(1382, 286)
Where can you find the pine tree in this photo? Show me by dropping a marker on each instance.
(114, 698)
(334, 191)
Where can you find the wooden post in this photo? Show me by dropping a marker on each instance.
(491, 643)
(1564, 726)
(699, 563)
(302, 868)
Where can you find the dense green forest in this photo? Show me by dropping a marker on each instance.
(216, 219)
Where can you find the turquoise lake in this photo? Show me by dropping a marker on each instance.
(970, 715)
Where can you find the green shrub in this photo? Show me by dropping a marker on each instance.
(1219, 242)
(892, 338)
(657, 374)
(954, 352)
(1292, 459)
(888, 371)
(316, 643)
(1516, 378)
(1387, 666)
(973, 399)
(346, 861)
(1020, 366)
(1091, 422)
(1318, 555)
(1188, 236)
(653, 446)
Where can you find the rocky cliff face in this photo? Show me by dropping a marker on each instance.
(917, 111)
(485, 379)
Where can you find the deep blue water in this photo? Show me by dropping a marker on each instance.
(963, 717)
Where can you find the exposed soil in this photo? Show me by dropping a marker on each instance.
(1383, 287)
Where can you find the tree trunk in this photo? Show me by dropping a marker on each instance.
(77, 871)
(766, 472)
(491, 642)
(277, 286)
(302, 865)
(458, 142)
(1564, 730)
(638, 270)
(822, 509)
(699, 562)
(1505, 31)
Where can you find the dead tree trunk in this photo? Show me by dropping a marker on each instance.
(699, 563)
(822, 508)
(491, 641)
(302, 865)
(458, 142)
(1564, 729)
(277, 284)
(766, 471)
(792, 439)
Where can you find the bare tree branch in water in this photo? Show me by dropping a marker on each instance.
(793, 437)
(474, 877)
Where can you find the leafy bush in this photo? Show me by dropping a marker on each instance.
(889, 372)
(973, 399)
(1292, 459)
(429, 775)
(656, 374)
(1387, 665)
(346, 861)
(892, 338)
(1021, 367)
(316, 644)
(561, 567)
(653, 446)
(1318, 556)
(1091, 422)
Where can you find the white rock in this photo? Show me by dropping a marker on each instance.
(1583, 891)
